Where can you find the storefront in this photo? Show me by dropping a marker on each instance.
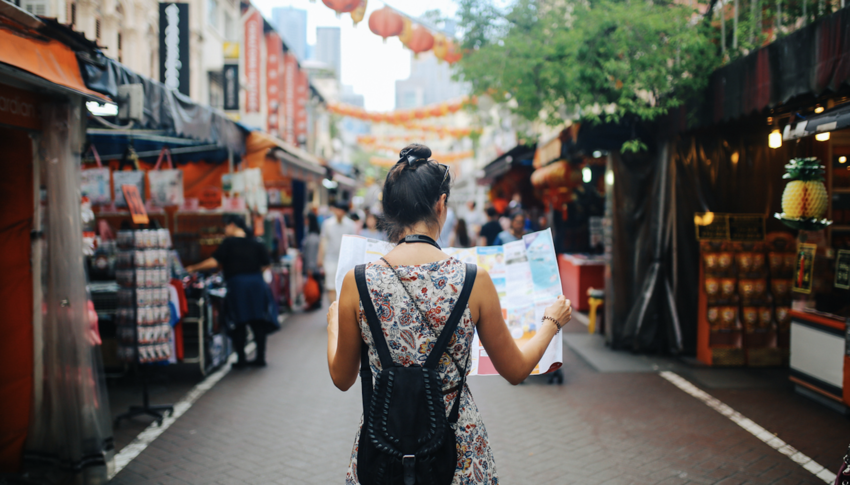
(56, 420)
(508, 178)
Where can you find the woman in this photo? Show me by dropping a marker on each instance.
(514, 232)
(371, 229)
(462, 239)
(248, 302)
(310, 255)
(414, 199)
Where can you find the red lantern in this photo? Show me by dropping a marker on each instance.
(453, 53)
(421, 40)
(386, 22)
(342, 6)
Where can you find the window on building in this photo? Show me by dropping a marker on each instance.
(120, 49)
(216, 89)
(72, 13)
(36, 7)
(229, 27)
(212, 13)
(97, 29)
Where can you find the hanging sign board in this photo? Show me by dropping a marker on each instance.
(804, 271)
(135, 204)
(19, 108)
(842, 269)
(174, 46)
(253, 37)
(729, 227)
(231, 86)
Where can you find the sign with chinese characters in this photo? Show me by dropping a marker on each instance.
(253, 38)
(804, 270)
(842, 269)
(174, 46)
(231, 87)
(274, 81)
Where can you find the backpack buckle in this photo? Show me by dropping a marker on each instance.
(408, 463)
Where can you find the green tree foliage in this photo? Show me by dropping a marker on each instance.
(590, 60)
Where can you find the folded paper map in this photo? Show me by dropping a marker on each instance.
(526, 276)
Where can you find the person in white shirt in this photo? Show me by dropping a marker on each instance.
(333, 228)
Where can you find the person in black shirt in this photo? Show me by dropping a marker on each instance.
(489, 231)
(242, 259)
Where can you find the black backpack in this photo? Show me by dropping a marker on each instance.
(406, 438)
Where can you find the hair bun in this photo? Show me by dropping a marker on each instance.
(413, 152)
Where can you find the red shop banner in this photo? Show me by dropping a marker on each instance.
(274, 81)
(253, 38)
(302, 96)
(289, 99)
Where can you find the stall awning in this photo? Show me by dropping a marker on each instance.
(553, 175)
(112, 145)
(520, 154)
(40, 56)
(294, 162)
(834, 119)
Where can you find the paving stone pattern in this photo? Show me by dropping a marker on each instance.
(288, 424)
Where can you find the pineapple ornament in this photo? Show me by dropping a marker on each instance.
(804, 201)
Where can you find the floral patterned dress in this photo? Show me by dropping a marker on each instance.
(437, 287)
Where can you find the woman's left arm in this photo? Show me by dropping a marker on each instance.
(209, 263)
(344, 335)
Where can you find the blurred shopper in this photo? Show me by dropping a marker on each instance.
(310, 256)
(474, 219)
(491, 229)
(333, 229)
(249, 301)
(515, 231)
(462, 239)
(414, 276)
(447, 232)
(370, 229)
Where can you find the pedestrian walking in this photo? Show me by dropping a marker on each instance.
(243, 259)
(333, 229)
(491, 229)
(515, 231)
(462, 239)
(310, 257)
(418, 275)
(474, 219)
(371, 230)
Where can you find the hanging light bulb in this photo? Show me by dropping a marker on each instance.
(586, 175)
(609, 177)
(842, 159)
(822, 136)
(819, 109)
(775, 139)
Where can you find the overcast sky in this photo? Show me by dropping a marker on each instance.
(368, 64)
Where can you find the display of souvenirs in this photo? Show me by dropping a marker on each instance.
(143, 317)
(727, 287)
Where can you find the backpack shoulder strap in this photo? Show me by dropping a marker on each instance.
(372, 318)
(454, 319)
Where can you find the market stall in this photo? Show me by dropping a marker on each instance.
(509, 175)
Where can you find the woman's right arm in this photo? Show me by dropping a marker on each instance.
(511, 362)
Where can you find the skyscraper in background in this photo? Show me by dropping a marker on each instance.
(328, 48)
(291, 24)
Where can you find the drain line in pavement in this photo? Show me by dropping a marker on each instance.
(754, 429)
(152, 432)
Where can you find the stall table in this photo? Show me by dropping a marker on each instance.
(578, 273)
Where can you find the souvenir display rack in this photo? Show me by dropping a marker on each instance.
(143, 318)
(744, 301)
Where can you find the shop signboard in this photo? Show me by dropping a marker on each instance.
(135, 204)
(289, 104)
(19, 108)
(804, 271)
(302, 96)
(842, 269)
(253, 38)
(729, 227)
(231, 87)
(174, 46)
(274, 80)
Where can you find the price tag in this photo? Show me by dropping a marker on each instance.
(135, 204)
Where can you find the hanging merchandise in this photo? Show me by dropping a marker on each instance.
(166, 185)
(358, 13)
(255, 193)
(95, 181)
(386, 22)
(804, 200)
(421, 40)
(132, 177)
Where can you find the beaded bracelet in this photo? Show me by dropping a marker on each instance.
(557, 323)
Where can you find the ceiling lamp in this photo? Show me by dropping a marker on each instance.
(774, 140)
(386, 22)
(358, 13)
(342, 6)
(822, 136)
(421, 40)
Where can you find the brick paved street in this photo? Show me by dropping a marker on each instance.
(287, 424)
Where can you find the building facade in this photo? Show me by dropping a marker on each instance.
(291, 23)
(328, 48)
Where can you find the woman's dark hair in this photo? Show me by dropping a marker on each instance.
(462, 234)
(313, 223)
(413, 187)
(239, 222)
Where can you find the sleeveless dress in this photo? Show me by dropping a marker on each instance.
(436, 287)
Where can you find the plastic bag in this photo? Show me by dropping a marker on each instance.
(135, 177)
(166, 185)
(94, 182)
